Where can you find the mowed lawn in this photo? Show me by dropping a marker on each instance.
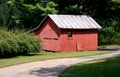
(109, 67)
(44, 56)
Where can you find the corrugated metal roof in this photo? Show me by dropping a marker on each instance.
(74, 21)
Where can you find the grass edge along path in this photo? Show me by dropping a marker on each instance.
(108, 67)
(45, 56)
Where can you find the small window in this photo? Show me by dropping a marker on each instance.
(69, 34)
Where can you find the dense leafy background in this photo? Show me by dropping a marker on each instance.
(27, 14)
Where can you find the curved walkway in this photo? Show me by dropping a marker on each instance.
(47, 68)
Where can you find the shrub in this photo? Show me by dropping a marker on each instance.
(117, 39)
(18, 42)
(106, 36)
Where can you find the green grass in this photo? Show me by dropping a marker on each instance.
(109, 67)
(44, 56)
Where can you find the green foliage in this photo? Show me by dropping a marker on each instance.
(48, 9)
(17, 42)
(106, 36)
(6, 13)
(116, 39)
(73, 9)
(109, 32)
(29, 13)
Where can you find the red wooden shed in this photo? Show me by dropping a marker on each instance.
(68, 33)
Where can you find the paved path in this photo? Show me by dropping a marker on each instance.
(47, 68)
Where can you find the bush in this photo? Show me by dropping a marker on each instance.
(18, 42)
(106, 36)
(117, 39)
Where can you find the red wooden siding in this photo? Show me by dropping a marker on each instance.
(87, 40)
(50, 35)
(56, 39)
(81, 40)
(68, 44)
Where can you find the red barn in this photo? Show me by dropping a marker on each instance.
(68, 33)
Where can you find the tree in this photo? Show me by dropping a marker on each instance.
(31, 13)
(48, 9)
(6, 13)
(73, 9)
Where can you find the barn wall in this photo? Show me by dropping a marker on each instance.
(68, 44)
(81, 40)
(55, 39)
(87, 40)
(49, 33)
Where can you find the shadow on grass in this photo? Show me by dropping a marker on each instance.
(108, 49)
(17, 55)
(109, 67)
